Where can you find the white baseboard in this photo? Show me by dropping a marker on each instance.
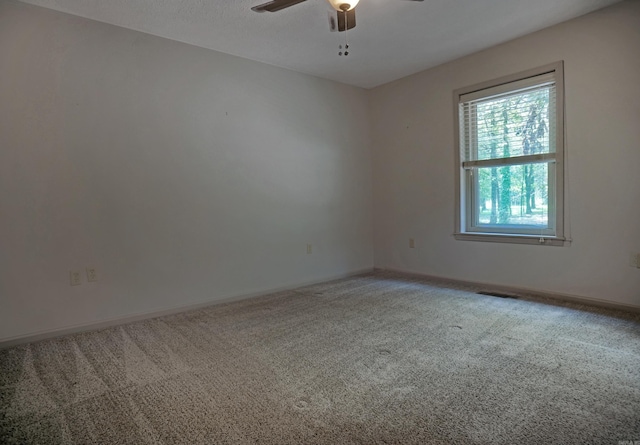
(110, 322)
(522, 290)
(107, 323)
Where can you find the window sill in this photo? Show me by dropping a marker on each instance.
(514, 239)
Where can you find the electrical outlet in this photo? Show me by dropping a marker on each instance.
(634, 260)
(75, 277)
(309, 250)
(412, 243)
(91, 274)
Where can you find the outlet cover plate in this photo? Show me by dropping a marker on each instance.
(75, 277)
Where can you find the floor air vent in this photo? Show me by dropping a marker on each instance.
(496, 294)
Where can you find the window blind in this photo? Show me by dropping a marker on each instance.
(514, 120)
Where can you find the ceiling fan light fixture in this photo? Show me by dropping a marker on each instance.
(338, 5)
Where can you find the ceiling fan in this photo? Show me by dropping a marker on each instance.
(345, 9)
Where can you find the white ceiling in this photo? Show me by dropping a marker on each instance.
(392, 39)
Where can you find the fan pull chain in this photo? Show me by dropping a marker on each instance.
(346, 39)
(346, 30)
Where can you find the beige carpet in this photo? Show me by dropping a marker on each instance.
(377, 359)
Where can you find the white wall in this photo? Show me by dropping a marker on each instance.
(183, 175)
(414, 164)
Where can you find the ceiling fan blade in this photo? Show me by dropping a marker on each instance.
(276, 5)
(351, 19)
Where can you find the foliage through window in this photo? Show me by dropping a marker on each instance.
(510, 135)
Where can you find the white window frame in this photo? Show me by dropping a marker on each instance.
(465, 229)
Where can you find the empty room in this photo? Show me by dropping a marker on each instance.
(320, 222)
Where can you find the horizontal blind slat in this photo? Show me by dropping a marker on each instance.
(514, 160)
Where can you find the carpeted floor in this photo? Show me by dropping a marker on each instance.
(376, 359)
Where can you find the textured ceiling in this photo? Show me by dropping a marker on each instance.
(392, 39)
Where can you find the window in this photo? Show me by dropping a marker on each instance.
(510, 150)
